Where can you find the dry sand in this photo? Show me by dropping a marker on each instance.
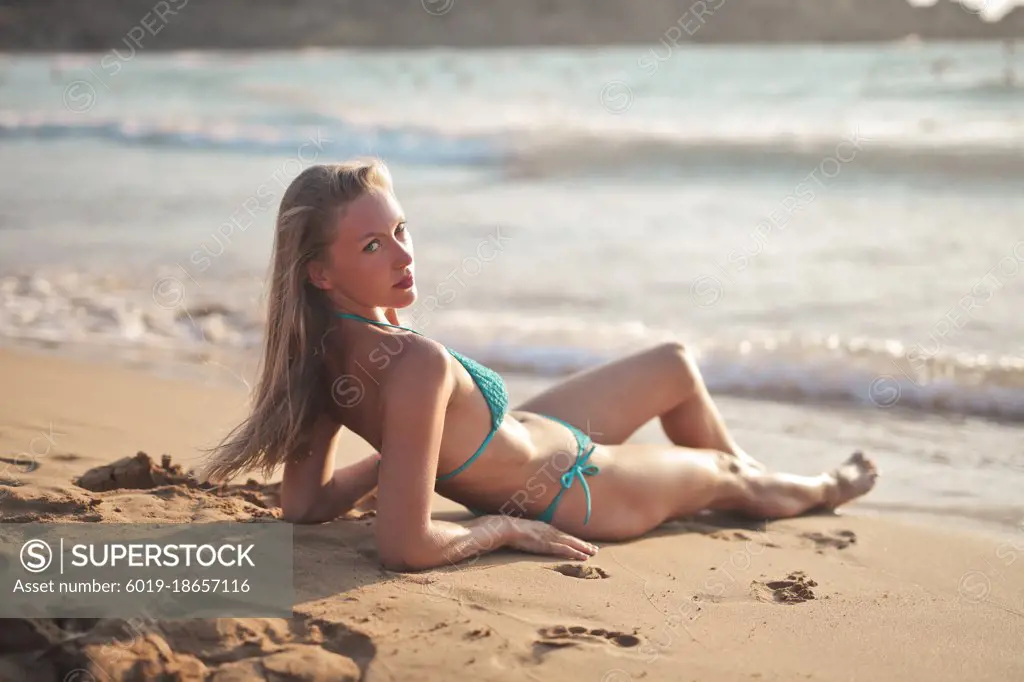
(846, 597)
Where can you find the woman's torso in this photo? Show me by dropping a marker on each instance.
(523, 447)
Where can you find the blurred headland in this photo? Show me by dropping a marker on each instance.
(73, 25)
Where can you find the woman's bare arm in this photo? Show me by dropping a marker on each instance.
(415, 401)
(313, 491)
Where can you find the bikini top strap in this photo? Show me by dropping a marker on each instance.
(379, 324)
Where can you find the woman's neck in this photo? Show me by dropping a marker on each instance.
(383, 315)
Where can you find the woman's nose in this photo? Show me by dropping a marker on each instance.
(403, 259)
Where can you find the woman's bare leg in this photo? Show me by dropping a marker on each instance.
(611, 401)
(697, 418)
(776, 495)
(640, 487)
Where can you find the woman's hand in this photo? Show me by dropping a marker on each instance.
(367, 503)
(538, 537)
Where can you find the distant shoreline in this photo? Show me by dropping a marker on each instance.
(139, 25)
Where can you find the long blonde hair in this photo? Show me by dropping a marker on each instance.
(292, 380)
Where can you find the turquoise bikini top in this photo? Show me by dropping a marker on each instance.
(490, 383)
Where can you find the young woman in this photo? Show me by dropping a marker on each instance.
(550, 476)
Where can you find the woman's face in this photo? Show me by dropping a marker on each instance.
(369, 264)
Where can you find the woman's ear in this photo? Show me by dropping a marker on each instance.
(317, 276)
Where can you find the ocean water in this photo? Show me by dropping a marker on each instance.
(840, 224)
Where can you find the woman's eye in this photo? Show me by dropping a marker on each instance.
(375, 244)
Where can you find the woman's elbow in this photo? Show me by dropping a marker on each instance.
(294, 516)
(296, 511)
(297, 519)
(407, 557)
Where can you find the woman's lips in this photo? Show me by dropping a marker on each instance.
(405, 283)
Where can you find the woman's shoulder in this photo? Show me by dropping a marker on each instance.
(417, 356)
(389, 357)
(422, 367)
(396, 369)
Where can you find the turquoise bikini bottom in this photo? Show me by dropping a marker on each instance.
(580, 469)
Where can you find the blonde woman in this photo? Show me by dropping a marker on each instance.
(550, 476)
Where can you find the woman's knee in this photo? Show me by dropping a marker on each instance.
(679, 358)
(736, 484)
(673, 350)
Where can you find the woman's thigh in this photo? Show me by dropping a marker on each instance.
(611, 401)
(640, 486)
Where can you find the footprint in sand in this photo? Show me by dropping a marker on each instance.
(65, 457)
(25, 464)
(840, 539)
(563, 635)
(738, 535)
(794, 589)
(581, 571)
(729, 535)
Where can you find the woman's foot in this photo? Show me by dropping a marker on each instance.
(854, 477)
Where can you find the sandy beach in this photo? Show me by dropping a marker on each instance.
(830, 224)
(868, 594)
